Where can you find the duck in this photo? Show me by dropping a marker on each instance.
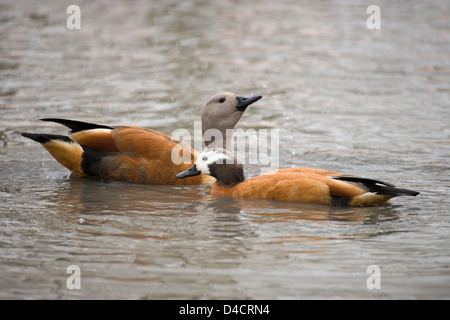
(305, 185)
(135, 154)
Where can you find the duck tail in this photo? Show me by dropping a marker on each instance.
(62, 148)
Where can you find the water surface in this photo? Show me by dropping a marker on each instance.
(345, 98)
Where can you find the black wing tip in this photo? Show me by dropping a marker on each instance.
(379, 187)
(52, 119)
(75, 125)
(362, 180)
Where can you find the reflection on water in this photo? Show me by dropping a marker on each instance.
(84, 195)
(365, 102)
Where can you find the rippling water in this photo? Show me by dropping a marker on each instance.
(345, 98)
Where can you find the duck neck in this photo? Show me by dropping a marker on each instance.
(217, 131)
(218, 138)
(227, 175)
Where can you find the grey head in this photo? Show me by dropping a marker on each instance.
(221, 113)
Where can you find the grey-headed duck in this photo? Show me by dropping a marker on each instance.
(135, 154)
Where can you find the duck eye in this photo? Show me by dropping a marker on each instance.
(222, 100)
(205, 158)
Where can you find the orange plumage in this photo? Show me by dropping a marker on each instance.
(138, 155)
(291, 184)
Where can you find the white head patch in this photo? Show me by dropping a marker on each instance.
(208, 157)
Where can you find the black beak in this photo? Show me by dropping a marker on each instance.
(244, 102)
(192, 171)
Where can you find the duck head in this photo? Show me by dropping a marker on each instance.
(222, 112)
(219, 163)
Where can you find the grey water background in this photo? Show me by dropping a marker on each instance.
(366, 102)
